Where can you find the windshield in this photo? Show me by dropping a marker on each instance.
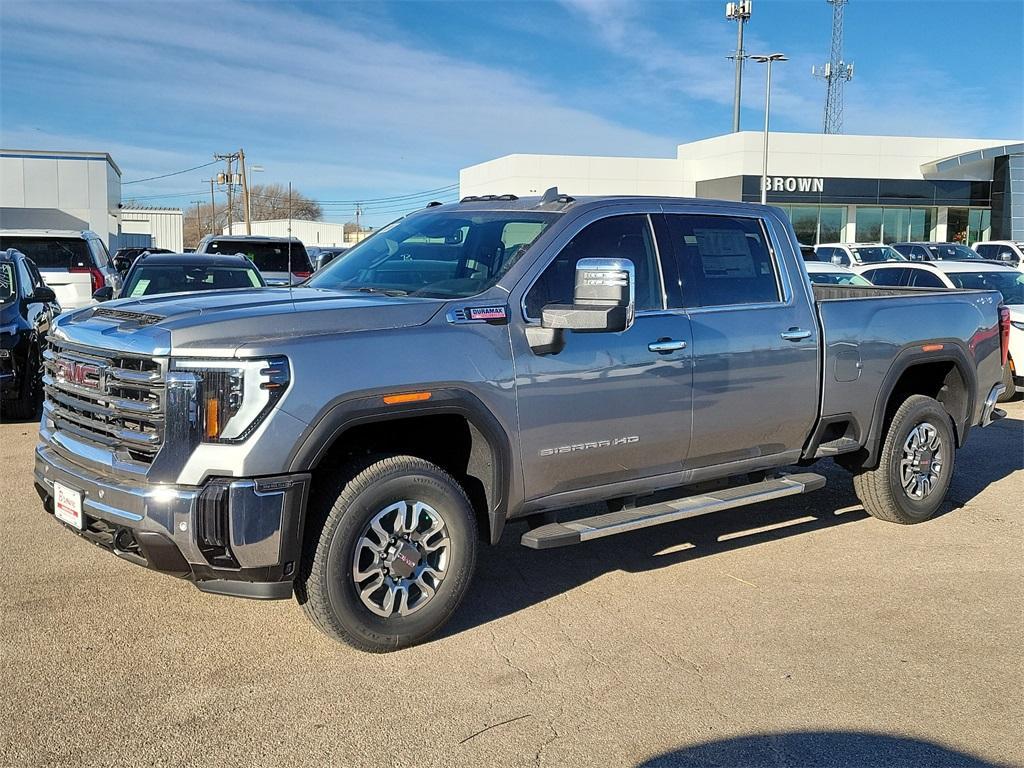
(442, 254)
(268, 257)
(8, 288)
(51, 252)
(837, 278)
(952, 252)
(875, 253)
(169, 278)
(1009, 283)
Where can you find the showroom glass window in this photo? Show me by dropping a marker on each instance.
(893, 225)
(817, 223)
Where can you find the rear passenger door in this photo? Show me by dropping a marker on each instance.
(755, 338)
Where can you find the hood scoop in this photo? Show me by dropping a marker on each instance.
(124, 316)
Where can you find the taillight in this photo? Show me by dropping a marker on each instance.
(95, 277)
(303, 275)
(1004, 332)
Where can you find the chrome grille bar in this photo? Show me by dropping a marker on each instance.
(113, 400)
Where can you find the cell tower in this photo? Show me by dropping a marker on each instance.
(835, 73)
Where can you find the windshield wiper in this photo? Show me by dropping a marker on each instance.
(383, 291)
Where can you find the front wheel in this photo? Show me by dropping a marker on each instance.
(915, 467)
(394, 557)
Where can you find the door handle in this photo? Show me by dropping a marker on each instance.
(795, 334)
(664, 346)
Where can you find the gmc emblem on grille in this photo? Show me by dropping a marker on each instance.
(79, 374)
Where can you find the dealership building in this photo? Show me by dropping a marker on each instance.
(835, 188)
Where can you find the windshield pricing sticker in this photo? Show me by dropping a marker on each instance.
(140, 287)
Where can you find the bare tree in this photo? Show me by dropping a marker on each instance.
(269, 201)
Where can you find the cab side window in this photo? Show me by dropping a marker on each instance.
(722, 260)
(621, 237)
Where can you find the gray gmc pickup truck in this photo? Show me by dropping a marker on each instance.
(352, 440)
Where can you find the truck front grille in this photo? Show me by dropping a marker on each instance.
(110, 399)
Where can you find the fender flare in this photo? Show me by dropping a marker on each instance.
(952, 352)
(368, 407)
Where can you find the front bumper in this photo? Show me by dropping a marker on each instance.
(239, 537)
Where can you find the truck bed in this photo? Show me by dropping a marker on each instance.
(868, 333)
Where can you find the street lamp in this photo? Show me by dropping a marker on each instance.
(768, 59)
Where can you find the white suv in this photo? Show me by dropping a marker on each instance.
(1009, 251)
(966, 275)
(75, 264)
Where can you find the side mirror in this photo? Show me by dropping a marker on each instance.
(1006, 256)
(603, 301)
(106, 293)
(837, 259)
(43, 294)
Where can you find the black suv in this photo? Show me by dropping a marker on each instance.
(27, 307)
(123, 258)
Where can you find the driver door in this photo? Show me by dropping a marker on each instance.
(607, 408)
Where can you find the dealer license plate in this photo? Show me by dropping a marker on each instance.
(67, 505)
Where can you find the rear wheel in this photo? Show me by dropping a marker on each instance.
(915, 467)
(394, 556)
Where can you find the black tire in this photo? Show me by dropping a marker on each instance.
(1009, 388)
(326, 587)
(881, 489)
(28, 402)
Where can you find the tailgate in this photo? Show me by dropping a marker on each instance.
(73, 289)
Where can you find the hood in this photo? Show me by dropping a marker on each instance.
(219, 323)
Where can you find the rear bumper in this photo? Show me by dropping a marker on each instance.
(239, 537)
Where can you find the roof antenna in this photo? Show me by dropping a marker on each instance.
(550, 195)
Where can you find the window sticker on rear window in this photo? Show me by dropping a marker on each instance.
(724, 252)
(6, 282)
(140, 288)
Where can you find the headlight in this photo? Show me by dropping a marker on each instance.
(1018, 324)
(235, 396)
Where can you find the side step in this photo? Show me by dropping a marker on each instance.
(587, 528)
(836, 447)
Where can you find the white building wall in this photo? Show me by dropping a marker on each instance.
(309, 232)
(734, 154)
(163, 225)
(59, 190)
(524, 175)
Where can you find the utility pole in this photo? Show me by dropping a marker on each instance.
(835, 73)
(213, 210)
(740, 13)
(229, 179)
(199, 219)
(359, 212)
(245, 193)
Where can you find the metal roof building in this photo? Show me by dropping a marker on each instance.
(157, 227)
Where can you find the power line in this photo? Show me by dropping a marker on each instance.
(165, 175)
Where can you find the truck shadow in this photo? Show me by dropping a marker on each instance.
(841, 749)
(511, 578)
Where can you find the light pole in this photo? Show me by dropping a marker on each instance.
(768, 59)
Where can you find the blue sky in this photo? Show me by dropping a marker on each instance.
(364, 101)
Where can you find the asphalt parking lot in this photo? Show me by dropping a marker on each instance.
(800, 632)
